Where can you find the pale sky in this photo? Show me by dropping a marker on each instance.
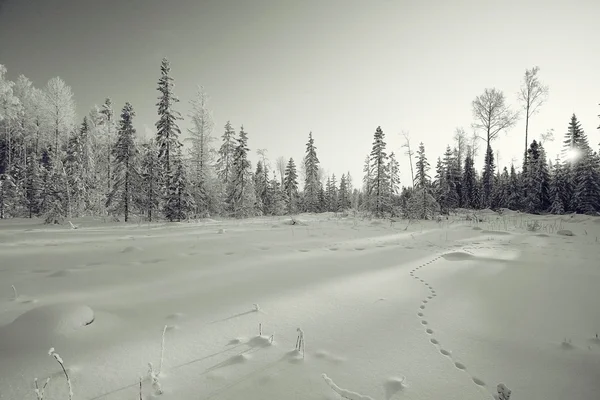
(336, 68)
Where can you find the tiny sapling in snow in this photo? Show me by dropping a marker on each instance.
(59, 360)
(259, 329)
(15, 294)
(300, 341)
(256, 307)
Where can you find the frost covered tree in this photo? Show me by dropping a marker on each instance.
(469, 183)
(150, 194)
(421, 203)
(394, 174)
(367, 182)
(77, 167)
(311, 181)
(9, 111)
(167, 135)
(226, 155)
(379, 189)
(60, 105)
(276, 196)
(290, 186)
(575, 142)
(487, 178)
(179, 201)
(344, 194)
(586, 183)
(107, 128)
(202, 155)
(125, 187)
(32, 186)
(241, 196)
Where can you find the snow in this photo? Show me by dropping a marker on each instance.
(437, 311)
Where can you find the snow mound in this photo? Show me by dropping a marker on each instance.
(476, 228)
(565, 232)
(260, 341)
(58, 319)
(130, 249)
(393, 386)
(458, 256)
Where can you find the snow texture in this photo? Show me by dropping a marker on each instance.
(456, 311)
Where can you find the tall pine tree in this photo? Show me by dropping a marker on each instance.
(126, 177)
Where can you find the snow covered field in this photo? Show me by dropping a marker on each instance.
(455, 307)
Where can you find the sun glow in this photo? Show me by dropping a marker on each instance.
(572, 154)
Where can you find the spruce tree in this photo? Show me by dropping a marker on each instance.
(290, 185)
(422, 203)
(344, 194)
(311, 182)
(226, 155)
(575, 141)
(394, 172)
(488, 178)
(150, 193)
(241, 196)
(514, 190)
(167, 136)
(469, 183)
(379, 190)
(586, 195)
(126, 177)
(261, 186)
(367, 182)
(179, 201)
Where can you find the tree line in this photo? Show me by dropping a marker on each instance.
(51, 168)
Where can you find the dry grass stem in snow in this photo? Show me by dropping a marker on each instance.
(59, 360)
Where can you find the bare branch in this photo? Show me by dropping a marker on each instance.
(492, 115)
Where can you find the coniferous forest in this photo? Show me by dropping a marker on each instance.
(56, 167)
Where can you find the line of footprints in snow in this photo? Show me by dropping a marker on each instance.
(503, 392)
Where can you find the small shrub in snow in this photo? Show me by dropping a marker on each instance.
(15, 294)
(256, 307)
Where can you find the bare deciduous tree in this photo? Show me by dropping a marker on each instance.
(460, 136)
(532, 95)
(409, 153)
(281, 163)
(492, 114)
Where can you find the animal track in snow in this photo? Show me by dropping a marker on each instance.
(459, 255)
